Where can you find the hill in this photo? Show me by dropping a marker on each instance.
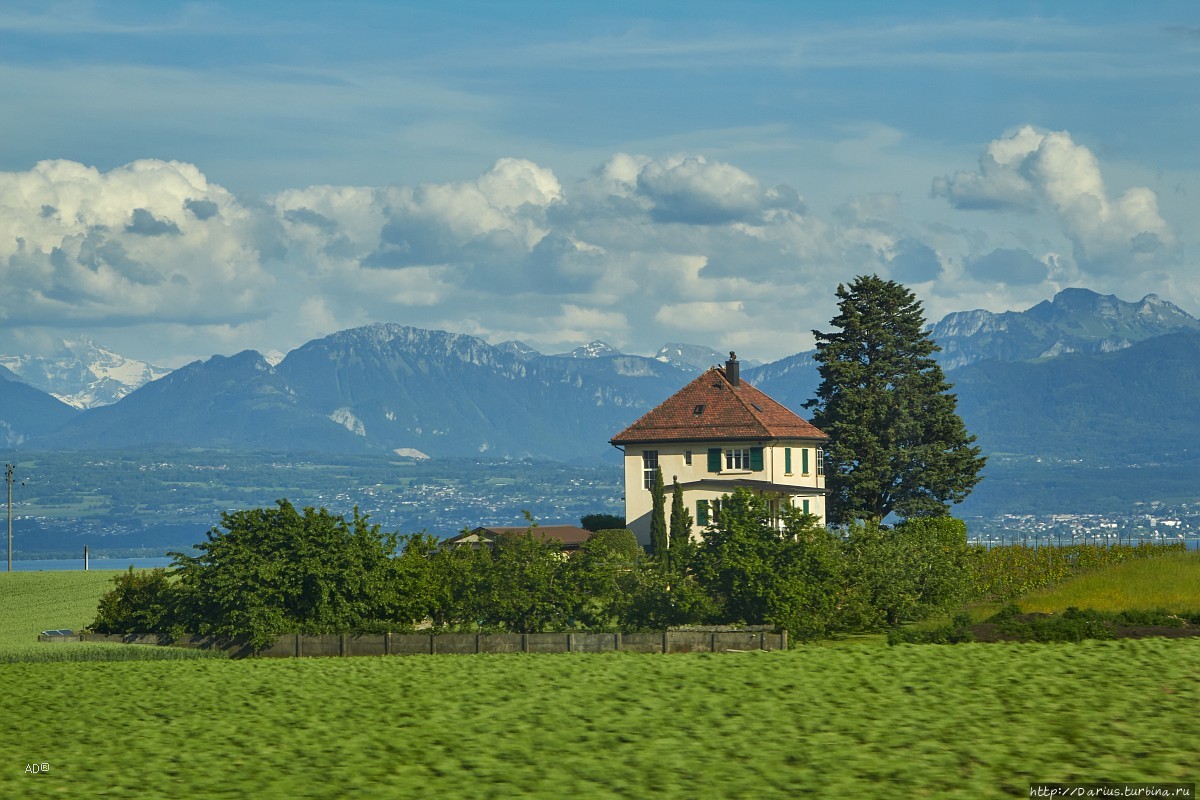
(26, 412)
(1136, 405)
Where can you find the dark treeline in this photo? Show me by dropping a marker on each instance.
(277, 570)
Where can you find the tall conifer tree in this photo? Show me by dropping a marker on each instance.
(897, 443)
(658, 516)
(681, 522)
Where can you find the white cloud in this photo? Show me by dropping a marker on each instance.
(638, 252)
(692, 190)
(1033, 171)
(152, 240)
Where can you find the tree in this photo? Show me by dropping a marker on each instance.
(758, 573)
(681, 523)
(277, 570)
(527, 592)
(917, 569)
(604, 578)
(601, 522)
(140, 602)
(896, 443)
(658, 517)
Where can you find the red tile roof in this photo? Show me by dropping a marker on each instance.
(710, 408)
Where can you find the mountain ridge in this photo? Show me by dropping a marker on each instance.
(388, 387)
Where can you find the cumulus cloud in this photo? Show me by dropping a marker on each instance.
(639, 251)
(80, 246)
(1034, 171)
(692, 190)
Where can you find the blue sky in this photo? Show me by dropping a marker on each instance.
(182, 179)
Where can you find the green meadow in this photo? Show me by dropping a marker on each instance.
(1170, 582)
(849, 720)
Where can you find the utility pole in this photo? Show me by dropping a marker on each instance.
(8, 470)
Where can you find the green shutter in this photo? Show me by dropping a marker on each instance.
(787, 460)
(702, 512)
(804, 460)
(756, 459)
(806, 507)
(714, 459)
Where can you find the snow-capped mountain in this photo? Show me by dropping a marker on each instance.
(84, 374)
(518, 348)
(689, 357)
(596, 349)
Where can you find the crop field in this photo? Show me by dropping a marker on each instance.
(967, 721)
(31, 602)
(845, 720)
(1170, 582)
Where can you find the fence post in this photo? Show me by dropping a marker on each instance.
(387, 643)
(666, 647)
(570, 643)
(299, 648)
(617, 640)
(524, 642)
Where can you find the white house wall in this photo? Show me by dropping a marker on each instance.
(672, 462)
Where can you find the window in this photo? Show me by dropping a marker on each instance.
(687, 457)
(649, 467)
(806, 511)
(804, 461)
(820, 461)
(737, 458)
(707, 511)
(698, 410)
(787, 460)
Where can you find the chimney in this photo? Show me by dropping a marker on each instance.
(732, 373)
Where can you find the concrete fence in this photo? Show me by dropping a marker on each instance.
(407, 644)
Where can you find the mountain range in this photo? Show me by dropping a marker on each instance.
(1081, 376)
(83, 374)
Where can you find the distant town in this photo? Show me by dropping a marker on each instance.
(1146, 522)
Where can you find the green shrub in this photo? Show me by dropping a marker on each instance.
(957, 632)
(144, 601)
(1073, 625)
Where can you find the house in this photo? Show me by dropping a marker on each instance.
(714, 435)
(569, 536)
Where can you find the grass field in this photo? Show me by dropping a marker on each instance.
(31, 602)
(850, 721)
(1170, 582)
(979, 721)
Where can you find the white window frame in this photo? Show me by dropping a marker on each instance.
(649, 467)
(737, 459)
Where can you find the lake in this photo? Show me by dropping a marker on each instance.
(34, 565)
